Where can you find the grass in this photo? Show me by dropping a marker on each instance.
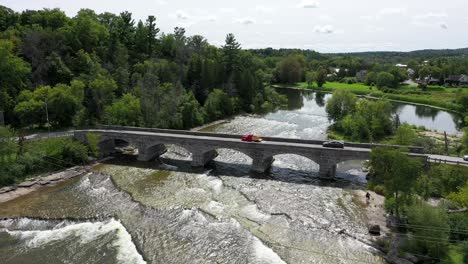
(437, 96)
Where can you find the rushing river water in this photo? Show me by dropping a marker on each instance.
(138, 212)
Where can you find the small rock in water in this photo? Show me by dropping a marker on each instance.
(374, 230)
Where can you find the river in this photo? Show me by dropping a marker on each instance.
(127, 211)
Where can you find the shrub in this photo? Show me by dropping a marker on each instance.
(433, 241)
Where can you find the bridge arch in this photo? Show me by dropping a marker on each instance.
(156, 149)
(295, 161)
(108, 146)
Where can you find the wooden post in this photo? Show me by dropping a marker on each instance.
(446, 143)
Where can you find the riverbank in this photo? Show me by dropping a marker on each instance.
(32, 184)
(441, 103)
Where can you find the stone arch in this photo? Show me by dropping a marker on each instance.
(224, 152)
(352, 169)
(107, 146)
(157, 149)
(295, 162)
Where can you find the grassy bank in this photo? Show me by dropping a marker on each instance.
(436, 96)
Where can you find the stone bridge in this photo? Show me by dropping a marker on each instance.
(151, 144)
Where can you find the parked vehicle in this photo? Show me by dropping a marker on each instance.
(251, 138)
(465, 158)
(333, 144)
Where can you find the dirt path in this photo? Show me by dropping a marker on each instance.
(375, 211)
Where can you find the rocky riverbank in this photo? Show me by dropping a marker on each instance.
(32, 184)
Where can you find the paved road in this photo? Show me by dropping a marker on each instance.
(432, 158)
(447, 159)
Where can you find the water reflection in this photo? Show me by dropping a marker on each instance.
(429, 117)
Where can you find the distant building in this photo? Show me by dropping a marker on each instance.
(401, 65)
(411, 73)
(433, 81)
(361, 75)
(429, 80)
(456, 81)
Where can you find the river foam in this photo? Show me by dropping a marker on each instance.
(85, 232)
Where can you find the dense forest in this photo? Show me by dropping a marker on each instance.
(106, 68)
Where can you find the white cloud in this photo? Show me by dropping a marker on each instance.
(393, 11)
(211, 18)
(308, 4)
(181, 15)
(265, 9)
(326, 29)
(324, 17)
(431, 15)
(431, 19)
(246, 21)
(227, 10)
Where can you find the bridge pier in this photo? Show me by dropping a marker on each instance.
(106, 148)
(151, 153)
(327, 170)
(261, 164)
(201, 158)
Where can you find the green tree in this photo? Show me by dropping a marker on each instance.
(125, 111)
(321, 77)
(342, 103)
(9, 145)
(291, 69)
(431, 242)
(397, 172)
(13, 78)
(371, 78)
(405, 135)
(230, 51)
(310, 78)
(192, 113)
(218, 105)
(100, 93)
(385, 79)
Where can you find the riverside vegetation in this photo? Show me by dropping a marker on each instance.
(428, 231)
(93, 68)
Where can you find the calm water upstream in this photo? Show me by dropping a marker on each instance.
(134, 212)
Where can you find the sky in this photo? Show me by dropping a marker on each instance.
(321, 25)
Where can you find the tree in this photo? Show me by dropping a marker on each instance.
(13, 78)
(462, 99)
(100, 92)
(125, 111)
(87, 32)
(397, 172)
(230, 50)
(321, 77)
(218, 105)
(342, 103)
(371, 78)
(192, 113)
(385, 79)
(431, 242)
(9, 145)
(152, 32)
(405, 135)
(291, 69)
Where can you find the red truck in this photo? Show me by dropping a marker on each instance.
(251, 138)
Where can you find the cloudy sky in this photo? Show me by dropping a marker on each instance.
(322, 25)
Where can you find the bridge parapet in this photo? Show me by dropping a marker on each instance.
(151, 144)
(412, 149)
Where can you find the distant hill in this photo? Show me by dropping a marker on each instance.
(400, 56)
(369, 56)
